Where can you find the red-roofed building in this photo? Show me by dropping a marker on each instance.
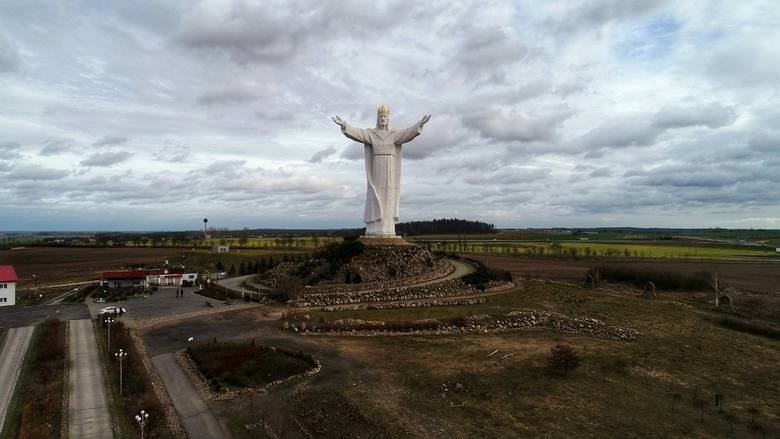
(125, 278)
(8, 281)
(144, 278)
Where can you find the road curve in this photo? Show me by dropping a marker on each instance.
(16, 343)
(88, 404)
(199, 422)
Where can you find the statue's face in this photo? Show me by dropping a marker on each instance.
(383, 119)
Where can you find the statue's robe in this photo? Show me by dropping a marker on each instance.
(383, 171)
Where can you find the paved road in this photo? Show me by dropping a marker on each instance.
(198, 420)
(17, 316)
(16, 343)
(88, 403)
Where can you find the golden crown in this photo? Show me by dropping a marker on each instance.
(383, 110)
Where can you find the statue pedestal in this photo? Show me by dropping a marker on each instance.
(382, 240)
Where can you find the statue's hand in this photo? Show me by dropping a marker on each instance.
(425, 119)
(339, 121)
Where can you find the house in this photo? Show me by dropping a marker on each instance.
(220, 249)
(124, 279)
(8, 281)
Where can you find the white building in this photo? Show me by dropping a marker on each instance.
(8, 281)
(220, 249)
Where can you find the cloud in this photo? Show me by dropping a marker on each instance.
(103, 159)
(248, 33)
(35, 172)
(225, 167)
(56, 146)
(236, 94)
(320, 155)
(620, 133)
(9, 150)
(110, 141)
(713, 115)
(488, 51)
(517, 126)
(9, 55)
(766, 141)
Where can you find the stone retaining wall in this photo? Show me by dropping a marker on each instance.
(450, 288)
(441, 269)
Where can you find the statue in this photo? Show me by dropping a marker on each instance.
(383, 169)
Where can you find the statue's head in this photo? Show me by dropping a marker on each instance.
(383, 117)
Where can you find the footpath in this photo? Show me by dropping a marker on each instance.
(89, 415)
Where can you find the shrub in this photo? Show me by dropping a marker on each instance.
(563, 357)
(483, 275)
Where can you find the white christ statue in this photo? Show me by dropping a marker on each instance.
(383, 169)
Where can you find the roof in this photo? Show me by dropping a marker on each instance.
(8, 274)
(137, 274)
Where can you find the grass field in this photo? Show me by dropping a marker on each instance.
(681, 351)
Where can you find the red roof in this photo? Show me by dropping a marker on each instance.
(7, 273)
(137, 274)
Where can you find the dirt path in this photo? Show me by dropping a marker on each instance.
(88, 403)
(16, 343)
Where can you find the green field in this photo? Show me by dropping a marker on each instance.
(614, 249)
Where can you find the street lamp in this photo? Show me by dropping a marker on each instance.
(120, 356)
(109, 321)
(141, 418)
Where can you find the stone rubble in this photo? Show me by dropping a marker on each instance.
(514, 321)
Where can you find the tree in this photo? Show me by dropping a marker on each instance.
(563, 357)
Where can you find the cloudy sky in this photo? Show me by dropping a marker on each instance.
(147, 115)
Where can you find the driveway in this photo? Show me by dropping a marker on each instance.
(16, 343)
(17, 316)
(88, 403)
(199, 421)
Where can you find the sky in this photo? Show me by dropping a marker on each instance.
(151, 115)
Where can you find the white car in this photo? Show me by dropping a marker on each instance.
(113, 310)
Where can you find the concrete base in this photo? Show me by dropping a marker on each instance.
(382, 240)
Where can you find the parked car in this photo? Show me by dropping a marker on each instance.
(113, 310)
(100, 300)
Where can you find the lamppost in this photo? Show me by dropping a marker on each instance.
(141, 418)
(109, 321)
(120, 356)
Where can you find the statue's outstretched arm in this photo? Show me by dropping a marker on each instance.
(356, 134)
(414, 130)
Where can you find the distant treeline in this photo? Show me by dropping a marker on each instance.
(444, 226)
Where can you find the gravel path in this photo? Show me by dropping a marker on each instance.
(16, 343)
(89, 412)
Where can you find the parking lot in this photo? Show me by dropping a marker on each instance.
(162, 303)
